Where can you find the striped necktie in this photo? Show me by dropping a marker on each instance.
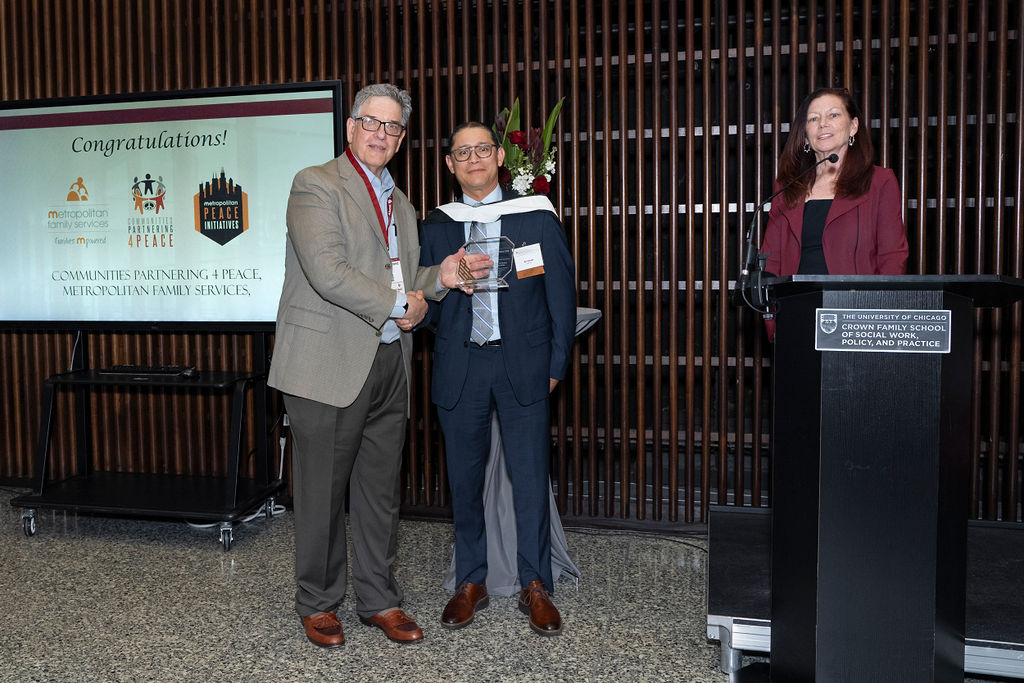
(483, 316)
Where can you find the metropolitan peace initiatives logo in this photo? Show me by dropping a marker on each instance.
(222, 209)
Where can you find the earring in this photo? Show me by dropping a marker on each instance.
(807, 148)
(851, 140)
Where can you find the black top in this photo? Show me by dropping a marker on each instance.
(812, 256)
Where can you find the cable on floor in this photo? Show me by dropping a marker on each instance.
(644, 534)
(277, 509)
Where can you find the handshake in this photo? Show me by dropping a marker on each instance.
(456, 268)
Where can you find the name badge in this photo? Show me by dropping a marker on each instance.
(397, 281)
(529, 260)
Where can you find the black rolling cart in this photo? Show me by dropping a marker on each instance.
(225, 499)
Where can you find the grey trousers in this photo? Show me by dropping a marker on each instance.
(354, 451)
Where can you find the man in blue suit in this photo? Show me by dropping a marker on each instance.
(505, 350)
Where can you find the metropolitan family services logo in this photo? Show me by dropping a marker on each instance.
(149, 223)
(222, 209)
(76, 221)
(78, 192)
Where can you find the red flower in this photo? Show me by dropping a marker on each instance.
(500, 121)
(535, 145)
(504, 175)
(540, 185)
(518, 138)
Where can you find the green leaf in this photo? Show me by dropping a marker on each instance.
(549, 127)
(513, 117)
(503, 114)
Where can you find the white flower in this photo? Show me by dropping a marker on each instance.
(522, 184)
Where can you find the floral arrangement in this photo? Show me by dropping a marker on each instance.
(529, 156)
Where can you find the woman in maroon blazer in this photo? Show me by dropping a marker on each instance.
(844, 218)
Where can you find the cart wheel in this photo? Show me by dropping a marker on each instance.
(28, 523)
(226, 535)
(269, 508)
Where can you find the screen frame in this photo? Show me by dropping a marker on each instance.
(169, 326)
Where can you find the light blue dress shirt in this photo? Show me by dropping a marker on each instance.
(383, 187)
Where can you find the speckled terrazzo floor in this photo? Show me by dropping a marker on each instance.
(108, 599)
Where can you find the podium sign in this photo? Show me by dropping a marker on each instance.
(882, 331)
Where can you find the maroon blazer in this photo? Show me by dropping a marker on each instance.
(863, 235)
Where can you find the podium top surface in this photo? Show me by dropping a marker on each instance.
(986, 291)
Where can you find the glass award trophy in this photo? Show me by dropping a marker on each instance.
(500, 251)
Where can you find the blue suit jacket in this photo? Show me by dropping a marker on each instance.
(537, 314)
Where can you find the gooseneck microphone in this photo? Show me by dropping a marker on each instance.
(754, 261)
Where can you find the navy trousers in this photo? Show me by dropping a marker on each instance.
(524, 435)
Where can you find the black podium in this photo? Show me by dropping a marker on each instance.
(871, 474)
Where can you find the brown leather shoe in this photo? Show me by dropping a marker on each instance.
(544, 617)
(324, 629)
(468, 598)
(397, 626)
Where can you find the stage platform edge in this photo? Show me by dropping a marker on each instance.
(739, 591)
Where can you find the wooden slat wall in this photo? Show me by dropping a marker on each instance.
(674, 117)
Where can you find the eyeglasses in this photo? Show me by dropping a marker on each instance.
(372, 125)
(482, 152)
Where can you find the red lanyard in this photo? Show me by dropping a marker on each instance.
(373, 197)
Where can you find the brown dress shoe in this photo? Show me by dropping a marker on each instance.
(397, 626)
(324, 629)
(468, 598)
(544, 617)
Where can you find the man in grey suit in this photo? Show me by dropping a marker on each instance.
(353, 289)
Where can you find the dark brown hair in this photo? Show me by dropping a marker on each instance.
(854, 178)
(472, 124)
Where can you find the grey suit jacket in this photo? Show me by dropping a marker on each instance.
(337, 285)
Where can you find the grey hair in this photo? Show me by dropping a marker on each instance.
(383, 90)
